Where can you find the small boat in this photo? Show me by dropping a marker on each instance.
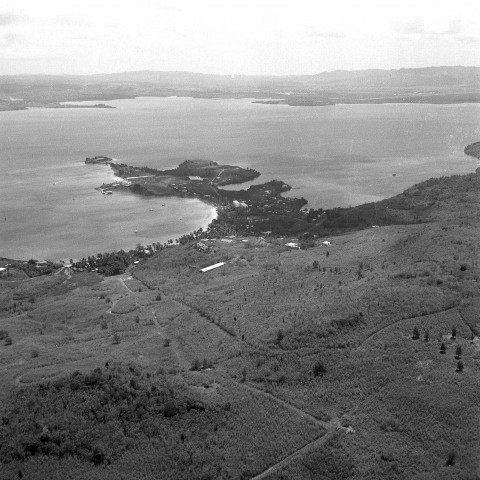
(108, 192)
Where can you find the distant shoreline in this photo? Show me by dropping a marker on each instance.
(292, 101)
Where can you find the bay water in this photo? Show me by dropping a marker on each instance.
(333, 156)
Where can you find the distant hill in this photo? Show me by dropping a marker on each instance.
(447, 84)
(434, 76)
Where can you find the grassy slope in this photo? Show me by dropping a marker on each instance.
(265, 320)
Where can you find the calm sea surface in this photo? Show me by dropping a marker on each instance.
(333, 156)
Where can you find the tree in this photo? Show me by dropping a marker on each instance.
(426, 335)
(443, 349)
(459, 366)
(416, 333)
(318, 369)
(458, 352)
(315, 264)
(450, 458)
(454, 332)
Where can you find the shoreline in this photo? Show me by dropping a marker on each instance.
(223, 200)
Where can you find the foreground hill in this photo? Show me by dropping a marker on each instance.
(359, 359)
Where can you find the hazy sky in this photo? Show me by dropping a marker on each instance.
(252, 37)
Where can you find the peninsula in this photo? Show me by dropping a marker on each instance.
(473, 150)
(247, 210)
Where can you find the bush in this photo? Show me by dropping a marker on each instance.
(34, 353)
(318, 369)
(458, 352)
(8, 341)
(443, 349)
(158, 297)
(104, 325)
(459, 367)
(416, 334)
(196, 365)
(166, 342)
(454, 332)
(116, 339)
(450, 459)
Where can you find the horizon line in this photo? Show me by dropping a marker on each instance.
(238, 74)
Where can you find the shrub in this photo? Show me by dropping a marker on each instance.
(104, 325)
(450, 459)
(416, 333)
(34, 353)
(443, 349)
(426, 335)
(458, 352)
(454, 332)
(196, 365)
(8, 341)
(280, 336)
(116, 339)
(459, 367)
(158, 297)
(319, 369)
(207, 363)
(166, 342)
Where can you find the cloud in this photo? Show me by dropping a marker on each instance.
(411, 27)
(454, 28)
(467, 39)
(9, 18)
(328, 35)
(9, 39)
(70, 20)
(417, 27)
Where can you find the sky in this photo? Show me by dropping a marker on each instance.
(262, 37)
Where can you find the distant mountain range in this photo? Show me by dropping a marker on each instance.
(371, 86)
(427, 76)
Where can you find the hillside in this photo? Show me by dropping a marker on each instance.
(359, 359)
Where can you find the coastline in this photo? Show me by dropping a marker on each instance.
(243, 213)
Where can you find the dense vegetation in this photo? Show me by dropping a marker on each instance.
(95, 417)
